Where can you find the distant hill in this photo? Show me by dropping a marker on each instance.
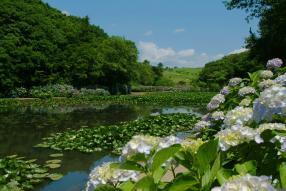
(182, 76)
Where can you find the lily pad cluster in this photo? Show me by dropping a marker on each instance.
(18, 173)
(114, 137)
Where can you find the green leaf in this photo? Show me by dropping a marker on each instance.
(282, 171)
(128, 165)
(145, 184)
(127, 186)
(158, 174)
(209, 176)
(184, 182)
(106, 188)
(163, 155)
(206, 154)
(223, 175)
(248, 167)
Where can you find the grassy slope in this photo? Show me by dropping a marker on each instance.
(182, 74)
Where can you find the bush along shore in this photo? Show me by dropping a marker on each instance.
(167, 98)
(239, 145)
(114, 137)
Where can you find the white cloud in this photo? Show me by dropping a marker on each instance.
(66, 13)
(218, 56)
(186, 53)
(170, 57)
(179, 30)
(148, 33)
(238, 51)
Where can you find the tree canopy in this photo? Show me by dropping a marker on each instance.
(40, 45)
(271, 38)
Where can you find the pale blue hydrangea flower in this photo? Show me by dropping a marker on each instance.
(246, 91)
(266, 84)
(271, 101)
(168, 141)
(281, 80)
(106, 174)
(201, 125)
(237, 135)
(238, 116)
(215, 102)
(247, 183)
(139, 144)
(234, 82)
(266, 74)
(217, 116)
(274, 63)
(225, 90)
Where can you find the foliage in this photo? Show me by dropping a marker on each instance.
(215, 74)
(40, 45)
(271, 39)
(19, 174)
(239, 145)
(113, 137)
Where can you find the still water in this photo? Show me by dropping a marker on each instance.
(23, 128)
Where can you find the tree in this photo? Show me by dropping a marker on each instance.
(271, 41)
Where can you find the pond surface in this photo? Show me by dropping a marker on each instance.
(23, 128)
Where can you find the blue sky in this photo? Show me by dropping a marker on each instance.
(183, 33)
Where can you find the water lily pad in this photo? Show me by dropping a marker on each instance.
(53, 166)
(55, 161)
(56, 155)
(55, 176)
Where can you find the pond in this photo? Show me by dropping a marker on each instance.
(23, 128)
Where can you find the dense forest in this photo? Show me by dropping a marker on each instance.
(40, 45)
(269, 42)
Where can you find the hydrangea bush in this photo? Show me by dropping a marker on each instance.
(239, 145)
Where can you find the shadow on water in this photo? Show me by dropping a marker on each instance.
(23, 128)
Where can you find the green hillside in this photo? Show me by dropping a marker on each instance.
(182, 76)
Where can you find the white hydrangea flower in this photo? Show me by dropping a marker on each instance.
(225, 90)
(139, 144)
(266, 84)
(282, 140)
(192, 145)
(215, 102)
(237, 135)
(271, 101)
(281, 80)
(246, 91)
(266, 74)
(217, 115)
(238, 116)
(201, 125)
(234, 82)
(245, 102)
(168, 141)
(274, 63)
(247, 183)
(105, 174)
(271, 126)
